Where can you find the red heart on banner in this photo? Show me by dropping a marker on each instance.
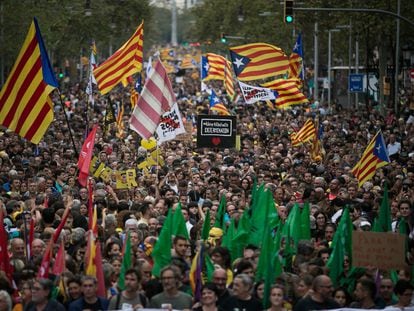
(216, 141)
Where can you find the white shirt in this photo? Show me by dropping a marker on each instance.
(393, 148)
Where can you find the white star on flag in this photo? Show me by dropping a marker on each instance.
(238, 62)
(216, 100)
(206, 67)
(296, 47)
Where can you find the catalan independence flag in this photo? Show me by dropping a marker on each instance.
(288, 90)
(256, 61)
(217, 105)
(25, 104)
(375, 156)
(296, 60)
(306, 133)
(122, 64)
(218, 68)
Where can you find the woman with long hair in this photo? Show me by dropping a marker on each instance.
(209, 297)
(277, 298)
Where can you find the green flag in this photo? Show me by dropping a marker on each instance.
(295, 227)
(260, 216)
(254, 191)
(179, 227)
(305, 222)
(383, 221)
(241, 236)
(126, 263)
(269, 266)
(206, 226)
(209, 267)
(236, 249)
(342, 246)
(162, 248)
(219, 223)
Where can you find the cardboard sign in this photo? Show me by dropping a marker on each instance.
(376, 249)
(216, 131)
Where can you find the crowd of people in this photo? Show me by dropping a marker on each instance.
(39, 181)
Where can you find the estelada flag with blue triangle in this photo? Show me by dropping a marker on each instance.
(256, 61)
(204, 67)
(375, 156)
(216, 104)
(296, 60)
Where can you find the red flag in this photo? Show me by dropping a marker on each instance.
(61, 225)
(5, 261)
(101, 292)
(43, 272)
(86, 156)
(94, 263)
(60, 265)
(156, 98)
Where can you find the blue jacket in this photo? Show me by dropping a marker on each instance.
(77, 305)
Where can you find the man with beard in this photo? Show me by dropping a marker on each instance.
(130, 298)
(171, 297)
(320, 298)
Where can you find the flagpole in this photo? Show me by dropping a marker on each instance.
(25, 237)
(67, 122)
(157, 155)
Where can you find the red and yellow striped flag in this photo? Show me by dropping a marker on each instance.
(188, 62)
(217, 64)
(295, 66)
(288, 90)
(121, 65)
(228, 81)
(256, 61)
(374, 157)
(119, 121)
(306, 133)
(25, 104)
(219, 69)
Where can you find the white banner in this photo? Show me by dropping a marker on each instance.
(254, 94)
(170, 125)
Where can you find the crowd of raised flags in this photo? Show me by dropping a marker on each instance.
(26, 109)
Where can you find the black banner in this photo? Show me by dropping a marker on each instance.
(216, 131)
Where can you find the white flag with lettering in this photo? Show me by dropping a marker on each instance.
(254, 94)
(170, 125)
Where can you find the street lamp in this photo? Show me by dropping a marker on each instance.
(88, 10)
(330, 31)
(240, 16)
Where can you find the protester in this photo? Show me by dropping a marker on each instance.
(404, 292)
(209, 297)
(130, 297)
(89, 300)
(41, 297)
(171, 297)
(320, 298)
(242, 297)
(37, 180)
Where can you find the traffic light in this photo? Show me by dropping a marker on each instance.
(223, 38)
(61, 74)
(288, 16)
